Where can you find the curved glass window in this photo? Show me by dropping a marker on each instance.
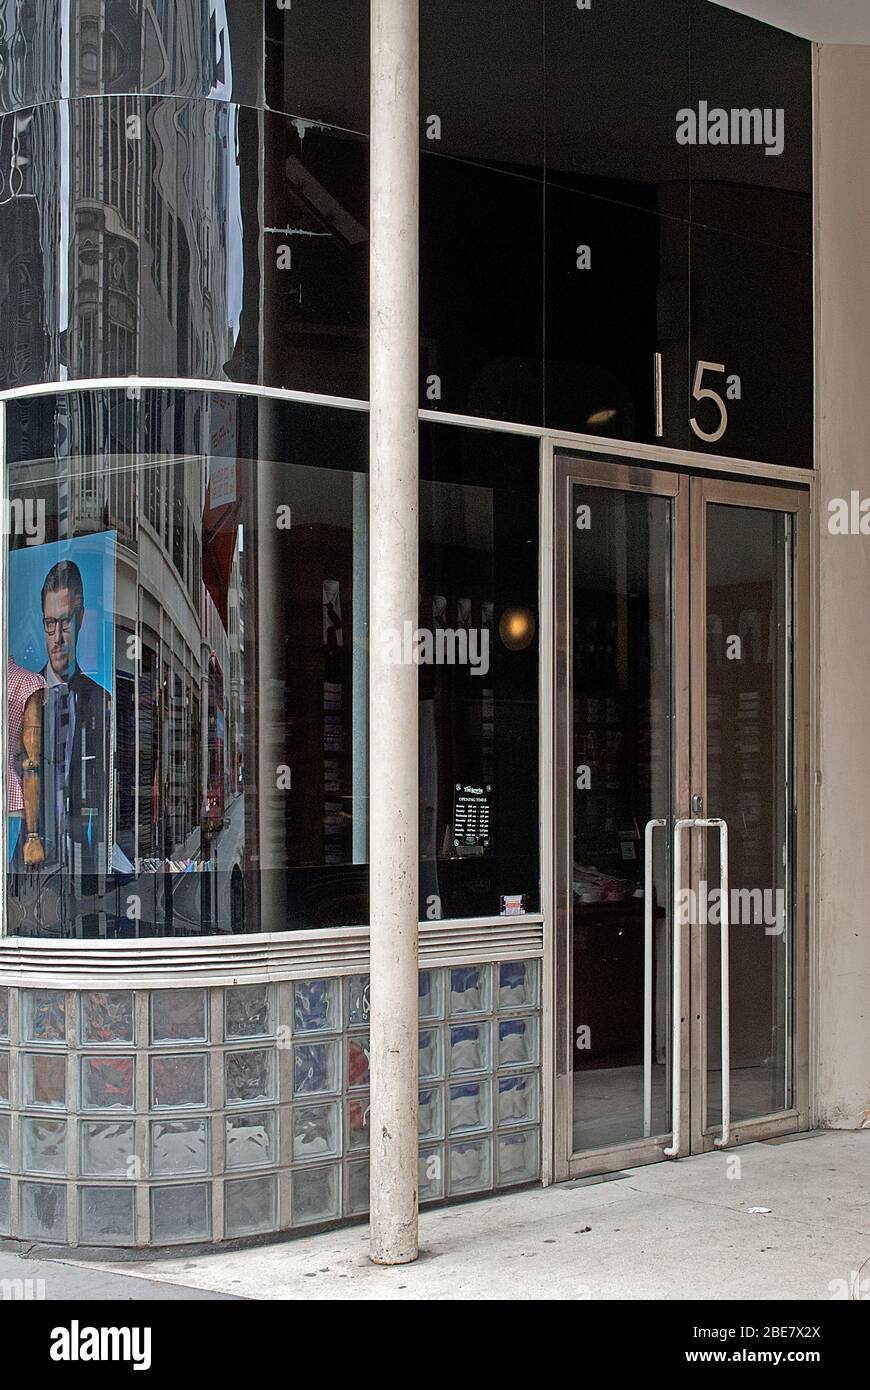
(188, 659)
(187, 665)
(182, 238)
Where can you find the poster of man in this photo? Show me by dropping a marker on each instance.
(61, 638)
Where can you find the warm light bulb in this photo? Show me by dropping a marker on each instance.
(516, 628)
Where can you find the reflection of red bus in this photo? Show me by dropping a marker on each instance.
(215, 799)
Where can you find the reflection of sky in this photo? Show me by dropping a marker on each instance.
(235, 252)
(217, 18)
(224, 90)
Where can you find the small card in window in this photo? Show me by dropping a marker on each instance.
(513, 904)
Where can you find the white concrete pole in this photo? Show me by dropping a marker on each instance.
(393, 603)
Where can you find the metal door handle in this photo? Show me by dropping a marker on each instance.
(673, 1149)
(701, 823)
(724, 981)
(651, 826)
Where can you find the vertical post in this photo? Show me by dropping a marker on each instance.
(4, 703)
(393, 608)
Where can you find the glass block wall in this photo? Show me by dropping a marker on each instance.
(158, 1117)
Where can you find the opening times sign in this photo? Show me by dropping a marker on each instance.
(472, 815)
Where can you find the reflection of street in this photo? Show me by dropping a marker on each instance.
(182, 903)
(191, 894)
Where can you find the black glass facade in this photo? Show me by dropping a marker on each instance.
(215, 225)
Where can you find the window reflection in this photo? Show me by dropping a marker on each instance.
(188, 667)
(184, 620)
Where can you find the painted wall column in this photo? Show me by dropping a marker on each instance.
(842, 1091)
(393, 599)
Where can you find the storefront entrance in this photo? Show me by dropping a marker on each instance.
(681, 749)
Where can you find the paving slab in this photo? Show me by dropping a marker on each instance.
(678, 1231)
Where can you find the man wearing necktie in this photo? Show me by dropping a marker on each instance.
(76, 729)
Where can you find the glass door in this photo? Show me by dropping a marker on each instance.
(681, 740)
(622, 738)
(750, 773)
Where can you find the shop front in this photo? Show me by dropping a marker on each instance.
(613, 644)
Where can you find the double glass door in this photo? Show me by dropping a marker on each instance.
(681, 826)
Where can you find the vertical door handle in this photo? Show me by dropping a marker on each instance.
(651, 826)
(713, 823)
(724, 980)
(672, 1151)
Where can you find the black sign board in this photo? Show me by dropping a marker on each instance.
(471, 815)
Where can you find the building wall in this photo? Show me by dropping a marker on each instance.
(843, 962)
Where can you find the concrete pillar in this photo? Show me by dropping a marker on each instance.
(842, 1091)
(4, 658)
(393, 600)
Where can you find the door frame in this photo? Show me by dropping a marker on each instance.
(760, 496)
(691, 486)
(627, 477)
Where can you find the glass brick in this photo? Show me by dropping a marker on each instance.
(43, 1080)
(316, 1006)
(250, 1206)
(42, 1210)
(107, 1016)
(106, 1148)
(518, 1041)
(316, 1132)
(4, 1142)
(316, 1194)
(107, 1216)
(248, 1012)
(249, 1076)
(469, 1106)
(4, 1078)
(518, 1157)
(251, 1139)
(470, 1165)
(518, 985)
(431, 1063)
(517, 1099)
(357, 1187)
(358, 1007)
(358, 1123)
(5, 1227)
(44, 1015)
(430, 1174)
(430, 992)
(469, 989)
(178, 1015)
(315, 1068)
(358, 1052)
(178, 1079)
(107, 1083)
(4, 1012)
(178, 1147)
(43, 1146)
(469, 1047)
(180, 1214)
(430, 1113)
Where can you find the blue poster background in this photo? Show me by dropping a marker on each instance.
(95, 557)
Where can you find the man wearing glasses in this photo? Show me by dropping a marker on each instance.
(75, 732)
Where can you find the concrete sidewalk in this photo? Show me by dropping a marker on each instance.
(670, 1231)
